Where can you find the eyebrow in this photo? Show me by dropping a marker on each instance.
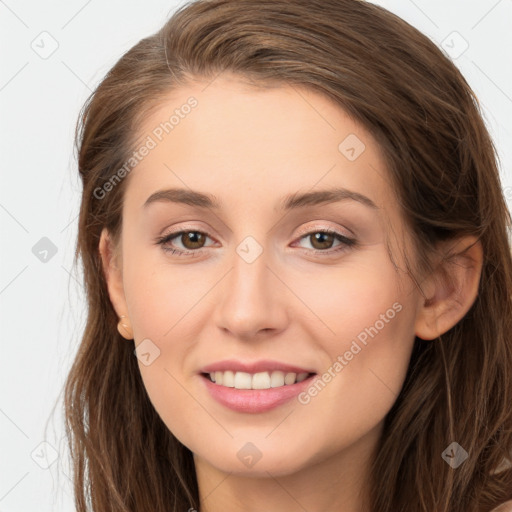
(290, 202)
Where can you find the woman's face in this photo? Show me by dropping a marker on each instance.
(256, 285)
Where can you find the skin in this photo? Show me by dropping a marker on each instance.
(251, 147)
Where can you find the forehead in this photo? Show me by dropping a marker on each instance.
(259, 143)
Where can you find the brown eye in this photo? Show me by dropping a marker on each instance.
(191, 242)
(192, 239)
(321, 240)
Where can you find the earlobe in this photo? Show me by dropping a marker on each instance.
(112, 273)
(451, 289)
(124, 328)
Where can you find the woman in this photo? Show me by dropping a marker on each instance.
(292, 211)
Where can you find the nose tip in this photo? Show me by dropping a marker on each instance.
(251, 301)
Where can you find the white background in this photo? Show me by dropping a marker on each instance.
(42, 306)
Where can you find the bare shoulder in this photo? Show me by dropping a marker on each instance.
(504, 507)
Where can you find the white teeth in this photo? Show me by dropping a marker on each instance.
(289, 378)
(261, 380)
(243, 380)
(228, 379)
(277, 379)
(302, 376)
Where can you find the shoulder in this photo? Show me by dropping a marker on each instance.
(504, 507)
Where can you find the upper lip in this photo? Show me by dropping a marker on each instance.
(253, 367)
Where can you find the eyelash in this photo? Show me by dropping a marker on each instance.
(346, 243)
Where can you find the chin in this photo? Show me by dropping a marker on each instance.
(246, 459)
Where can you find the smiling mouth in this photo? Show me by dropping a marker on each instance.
(260, 380)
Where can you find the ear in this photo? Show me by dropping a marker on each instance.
(112, 269)
(451, 289)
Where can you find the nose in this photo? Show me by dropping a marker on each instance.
(252, 300)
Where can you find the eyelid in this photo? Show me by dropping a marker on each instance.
(309, 229)
(346, 242)
(184, 229)
(303, 231)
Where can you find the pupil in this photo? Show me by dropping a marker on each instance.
(324, 243)
(193, 237)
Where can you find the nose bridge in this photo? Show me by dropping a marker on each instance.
(250, 268)
(252, 297)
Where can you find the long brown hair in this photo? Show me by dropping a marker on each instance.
(443, 166)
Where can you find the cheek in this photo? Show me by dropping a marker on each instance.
(355, 301)
(164, 301)
(367, 345)
(161, 296)
(176, 405)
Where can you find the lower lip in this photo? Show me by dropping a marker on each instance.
(255, 400)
